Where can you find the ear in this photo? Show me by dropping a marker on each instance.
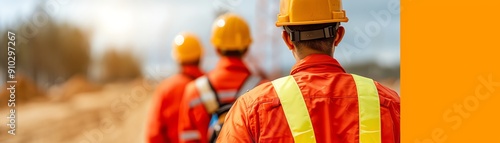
(339, 35)
(287, 40)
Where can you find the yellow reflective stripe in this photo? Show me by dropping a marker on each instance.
(295, 109)
(369, 110)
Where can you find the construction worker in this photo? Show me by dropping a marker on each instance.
(318, 101)
(163, 127)
(209, 97)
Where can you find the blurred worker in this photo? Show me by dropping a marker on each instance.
(214, 93)
(163, 124)
(318, 101)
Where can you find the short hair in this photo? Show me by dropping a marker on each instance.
(196, 63)
(323, 45)
(233, 53)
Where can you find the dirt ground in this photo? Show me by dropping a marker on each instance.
(117, 113)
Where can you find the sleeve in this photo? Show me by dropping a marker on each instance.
(390, 112)
(156, 127)
(236, 127)
(395, 114)
(392, 119)
(193, 118)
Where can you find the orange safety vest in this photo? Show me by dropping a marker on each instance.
(319, 102)
(299, 121)
(212, 93)
(162, 125)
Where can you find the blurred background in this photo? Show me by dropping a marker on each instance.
(86, 70)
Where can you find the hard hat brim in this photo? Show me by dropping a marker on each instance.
(278, 24)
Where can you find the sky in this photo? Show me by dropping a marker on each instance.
(148, 27)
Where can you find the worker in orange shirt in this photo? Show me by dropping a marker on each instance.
(213, 94)
(163, 122)
(318, 101)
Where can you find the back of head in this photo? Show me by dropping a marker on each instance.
(323, 44)
(231, 35)
(311, 23)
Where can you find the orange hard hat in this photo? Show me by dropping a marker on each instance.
(231, 32)
(187, 48)
(307, 12)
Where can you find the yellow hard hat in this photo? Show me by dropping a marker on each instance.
(306, 12)
(231, 32)
(187, 48)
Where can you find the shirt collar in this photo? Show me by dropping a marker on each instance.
(191, 71)
(232, 64)
(317, 63)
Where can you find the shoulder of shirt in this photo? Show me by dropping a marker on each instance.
(387, 93)
(177, 79)
(260, 93)
(190, 90)
(171, 83)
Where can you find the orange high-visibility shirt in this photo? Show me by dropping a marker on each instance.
(162, 125)
(331, 98)
(226, 79)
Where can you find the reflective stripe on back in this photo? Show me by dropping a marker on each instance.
(295, 109)
(251, 82)
(207, 95)
(369, 110)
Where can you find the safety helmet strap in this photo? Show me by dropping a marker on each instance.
(304, 35)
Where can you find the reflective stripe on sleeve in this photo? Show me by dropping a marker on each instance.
(194, 102)
(369, 110)
(189, 135)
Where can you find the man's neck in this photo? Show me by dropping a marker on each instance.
(304, 52)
